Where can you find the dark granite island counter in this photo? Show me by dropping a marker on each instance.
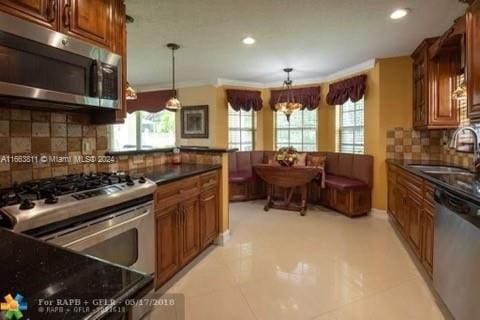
(171, 172)
(57, 283)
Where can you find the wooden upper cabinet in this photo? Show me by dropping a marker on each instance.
(444, 69)
(420, 84)
(473, 60)
(433, 83)
(91, 20)
(43, 12)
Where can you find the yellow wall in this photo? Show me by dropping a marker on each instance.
(202, 95)
(395, 82)
(388, 104)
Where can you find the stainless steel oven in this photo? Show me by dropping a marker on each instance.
(40, 65)
(125, 238)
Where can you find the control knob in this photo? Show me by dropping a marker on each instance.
(26, 204)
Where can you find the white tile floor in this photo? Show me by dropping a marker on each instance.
(324, 266)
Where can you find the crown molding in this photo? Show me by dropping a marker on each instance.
(358, 68)
(237, 83)
(361, 67)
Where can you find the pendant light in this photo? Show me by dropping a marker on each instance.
(173, 104)
(286, 100)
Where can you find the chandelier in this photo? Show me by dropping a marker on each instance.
(286, 100)
(173, 104)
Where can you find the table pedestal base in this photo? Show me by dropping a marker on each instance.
(287, 200)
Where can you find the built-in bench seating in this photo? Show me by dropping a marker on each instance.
(348, 180)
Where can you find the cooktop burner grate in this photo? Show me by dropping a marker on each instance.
(57, 186)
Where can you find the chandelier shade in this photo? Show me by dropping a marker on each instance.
(286, 100)
(130, 93)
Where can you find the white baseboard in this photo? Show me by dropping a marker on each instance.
(379, 213)
(223, 238)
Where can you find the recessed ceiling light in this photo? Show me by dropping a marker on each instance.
(248, 40)
(399, 13)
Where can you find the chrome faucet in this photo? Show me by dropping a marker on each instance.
(454, 141)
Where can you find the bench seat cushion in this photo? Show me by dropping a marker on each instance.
(343, 183)
(240, 176)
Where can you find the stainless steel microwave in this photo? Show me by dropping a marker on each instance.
(40, 65)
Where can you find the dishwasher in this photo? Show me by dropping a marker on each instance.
(456, 255)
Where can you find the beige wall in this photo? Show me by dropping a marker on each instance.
(202, 95)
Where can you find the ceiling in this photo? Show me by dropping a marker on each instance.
(315, 37)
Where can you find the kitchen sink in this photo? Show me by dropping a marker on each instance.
(441, 170)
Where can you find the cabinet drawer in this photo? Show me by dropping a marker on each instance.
(412, 183)
(208, 193)
(176, 191)
(209, 179)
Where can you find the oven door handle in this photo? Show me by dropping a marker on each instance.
(106, 230)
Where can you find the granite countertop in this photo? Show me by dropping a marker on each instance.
(465, 186)
(123, 152)
(38, 270)
(171, 172)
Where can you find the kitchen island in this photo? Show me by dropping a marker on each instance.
(57, 283)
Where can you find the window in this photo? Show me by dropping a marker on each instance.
(300, 132)
(350, 133)
(241, 129)
(144, 130)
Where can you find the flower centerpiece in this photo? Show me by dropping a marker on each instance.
(286, 156)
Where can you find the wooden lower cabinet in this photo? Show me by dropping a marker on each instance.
(189, 229)
(208, 217)
(167, 237)
(427, 246)
(415, 212)
(410, 204)
(186, 223)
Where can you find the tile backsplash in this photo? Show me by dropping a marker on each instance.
(409, 144)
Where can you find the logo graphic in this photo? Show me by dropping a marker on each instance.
(12, 308)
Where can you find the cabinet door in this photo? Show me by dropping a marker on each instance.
(43, 12)
(401, 207)
(443, 110)
(473, 60)
(167, 237)
(414, 211)
(189, 229)
(91, 20)
(391, 193)
(208, 216)
(427, 247)
(419, 91)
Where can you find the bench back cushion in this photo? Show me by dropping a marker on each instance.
(356, 166)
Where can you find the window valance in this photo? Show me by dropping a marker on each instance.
(308, 97)
(151, 101)
(244, 100)
(352, 88)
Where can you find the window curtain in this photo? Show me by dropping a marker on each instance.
(353, 89)
(308, 97)
(244, 100)
(151, 101)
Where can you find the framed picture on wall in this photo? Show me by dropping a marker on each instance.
(194, 122)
